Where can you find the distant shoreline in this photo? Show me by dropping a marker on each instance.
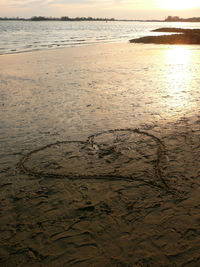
(75, 19)
(66, 18)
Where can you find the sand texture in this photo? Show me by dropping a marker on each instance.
(100, 182)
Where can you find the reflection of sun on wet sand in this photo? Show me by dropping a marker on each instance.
(123, 197)
(185, 36)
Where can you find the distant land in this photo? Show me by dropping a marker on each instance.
(177, 19)
(66, 18)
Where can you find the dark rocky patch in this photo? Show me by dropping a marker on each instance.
(184, 36)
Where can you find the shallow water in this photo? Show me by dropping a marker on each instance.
(23, 36)
(72, 93)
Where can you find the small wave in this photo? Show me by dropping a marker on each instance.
(28, 46)
(100, 39)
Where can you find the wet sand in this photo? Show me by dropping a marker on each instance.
(91, 196)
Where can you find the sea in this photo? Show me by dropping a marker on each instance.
(24, 36)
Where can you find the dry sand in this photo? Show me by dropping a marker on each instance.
(151, 219)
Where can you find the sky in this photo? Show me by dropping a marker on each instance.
(118, 9)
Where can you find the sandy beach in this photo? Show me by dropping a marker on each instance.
(100, 150)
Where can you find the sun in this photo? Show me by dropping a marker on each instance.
(179, 4)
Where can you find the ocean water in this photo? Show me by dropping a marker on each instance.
(23, 36)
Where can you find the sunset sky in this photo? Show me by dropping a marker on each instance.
(119, 9)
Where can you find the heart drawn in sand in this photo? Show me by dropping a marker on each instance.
(114, 154)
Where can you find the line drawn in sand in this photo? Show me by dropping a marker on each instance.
(117, 154)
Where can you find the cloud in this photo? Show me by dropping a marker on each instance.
(22, 3)
(68, 2)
